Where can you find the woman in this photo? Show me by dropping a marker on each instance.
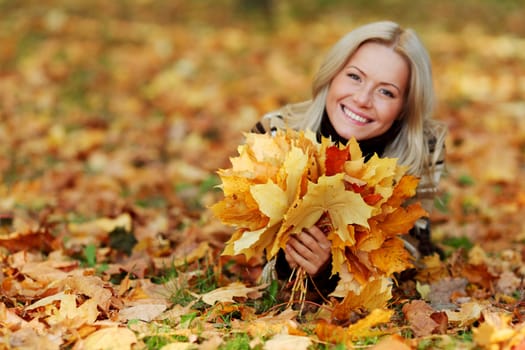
(375, 85)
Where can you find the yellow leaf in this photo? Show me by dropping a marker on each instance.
(272, 201)
(468, 313)
(327, 195)
(115, 338)
(264, 147)
(338, 250)
(364, 327)
(378, 170)
(246, 241)
(373, 295)
(241, 210)
(295, 168)
(354, 149)
(494, 329)
(74, 316)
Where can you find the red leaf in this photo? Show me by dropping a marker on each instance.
(372, 198)
(335, 159)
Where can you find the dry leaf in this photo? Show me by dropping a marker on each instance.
(145, 312)
(116, 338)
(287, 342)
(467, 314)
(365, 327)
(418, 313)
(233, 290)
(393, 342)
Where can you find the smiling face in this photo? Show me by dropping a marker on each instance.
(368, 94)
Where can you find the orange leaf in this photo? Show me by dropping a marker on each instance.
(401, 220)
(405, 188)
(240, 209)
(331, 333)
(360, 271)
(391, 257)
(40, 240)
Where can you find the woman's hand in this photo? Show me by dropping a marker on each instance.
(310, 250)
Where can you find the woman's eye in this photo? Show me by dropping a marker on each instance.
(354, 76)
(387, 93)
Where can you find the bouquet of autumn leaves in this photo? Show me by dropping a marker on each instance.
(280, 184)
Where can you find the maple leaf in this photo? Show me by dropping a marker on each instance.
(328, 195)
(274, 200)
(404, 189)
(373, 295)
(335, 160)
(240, 209)
(391, 257)
(400, 220)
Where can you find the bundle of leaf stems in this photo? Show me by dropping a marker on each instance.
(300, 285)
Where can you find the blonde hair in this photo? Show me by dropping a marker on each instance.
(411, 145)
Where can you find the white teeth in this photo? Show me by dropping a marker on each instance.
(354, 116)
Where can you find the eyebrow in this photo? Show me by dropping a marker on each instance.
(384, 83)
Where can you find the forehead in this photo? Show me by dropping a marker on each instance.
(380, 61)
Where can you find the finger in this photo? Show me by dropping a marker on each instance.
(307, 241)
(307, 265)
(316, 233)
(309, 250)
(311, 259)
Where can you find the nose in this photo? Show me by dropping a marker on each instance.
(363, 96)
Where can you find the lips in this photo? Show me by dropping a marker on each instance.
(354, 116)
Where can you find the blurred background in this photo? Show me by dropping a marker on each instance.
(110, 104)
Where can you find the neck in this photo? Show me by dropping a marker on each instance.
(370, 146)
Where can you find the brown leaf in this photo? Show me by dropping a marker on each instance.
(419, 316)
(41, 240)
(478, 274)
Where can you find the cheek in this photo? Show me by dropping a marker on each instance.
(391, 112)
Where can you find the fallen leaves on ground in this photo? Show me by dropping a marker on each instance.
(114, 119)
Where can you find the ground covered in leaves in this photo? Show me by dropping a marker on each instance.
(115, 117)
